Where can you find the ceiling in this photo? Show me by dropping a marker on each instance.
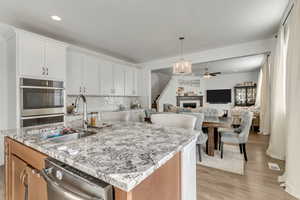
(145, 30)
(228, 66)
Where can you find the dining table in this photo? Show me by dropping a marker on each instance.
(212, 124)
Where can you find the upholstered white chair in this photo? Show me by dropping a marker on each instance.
(115, 116)
(174, 120)
(202, 139)
(238, 136)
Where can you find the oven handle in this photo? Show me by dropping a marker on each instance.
(45, 88)
(66, 193)
(43, 116)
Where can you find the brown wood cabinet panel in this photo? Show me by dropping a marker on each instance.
(22, 165)
(37, 187)
(8, 171)
(18, 178)
(29, 155)
(163, 184)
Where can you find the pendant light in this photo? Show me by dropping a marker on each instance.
(182, 67)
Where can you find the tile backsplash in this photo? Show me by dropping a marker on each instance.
(104, 103)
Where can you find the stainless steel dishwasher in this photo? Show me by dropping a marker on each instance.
(67, 183)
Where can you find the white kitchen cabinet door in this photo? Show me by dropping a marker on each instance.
(129, 81)
(91, 79)
(106, 78)
(55, 60)
(74, 73)
(119, 79)
(135, 82)
(31, 55)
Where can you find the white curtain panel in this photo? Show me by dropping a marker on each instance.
(258, 93)
(277, 146)
(265, 99)
(293, 104)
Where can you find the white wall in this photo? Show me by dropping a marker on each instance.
(158, 83)
(168, 95)
(232, 51)
(226, 81)
(3, 99)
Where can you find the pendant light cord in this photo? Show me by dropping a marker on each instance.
(181, 47)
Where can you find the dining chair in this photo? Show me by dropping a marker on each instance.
(209, 112)
(238, 136)
(202, 139)
(174, 120)
(115, 116)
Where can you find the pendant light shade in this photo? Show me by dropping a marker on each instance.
(182, 67)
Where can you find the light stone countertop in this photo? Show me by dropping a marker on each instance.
(122, 155)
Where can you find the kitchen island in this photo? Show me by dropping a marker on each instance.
(140, 160)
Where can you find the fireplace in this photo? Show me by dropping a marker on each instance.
(190, 101)
(189, 105)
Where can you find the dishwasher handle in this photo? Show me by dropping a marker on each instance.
(70, 194)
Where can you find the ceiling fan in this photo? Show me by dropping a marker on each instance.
(208, 74)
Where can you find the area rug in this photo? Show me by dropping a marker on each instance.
(232, 160)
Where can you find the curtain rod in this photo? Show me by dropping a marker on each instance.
(287, 16)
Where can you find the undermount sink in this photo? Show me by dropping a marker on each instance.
(72, 136)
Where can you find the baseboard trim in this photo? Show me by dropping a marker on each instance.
(274, 156)
(292, 191)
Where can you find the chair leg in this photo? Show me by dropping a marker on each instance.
(199, 151)
(206, 148)
(219, 141)
(222, 149)
(245, 152)
(241, 148)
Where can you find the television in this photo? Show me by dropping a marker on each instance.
(218, 96)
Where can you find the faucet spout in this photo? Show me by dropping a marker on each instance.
(85, 120)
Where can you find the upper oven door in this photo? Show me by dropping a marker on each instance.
(41, 97)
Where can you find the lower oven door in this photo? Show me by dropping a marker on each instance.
(42, 120)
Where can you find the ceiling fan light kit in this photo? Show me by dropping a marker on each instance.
(182, 67)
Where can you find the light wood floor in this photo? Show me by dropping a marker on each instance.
(259, 183)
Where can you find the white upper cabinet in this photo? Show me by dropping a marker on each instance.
(106, 78)
(41, 57)
(82, 74)
(91, 76)
(129, 76)
(74, 73)
(131, 81)
(31, 55)
(119, 80)
(55, 60)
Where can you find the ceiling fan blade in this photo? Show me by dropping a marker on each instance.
(215, 73)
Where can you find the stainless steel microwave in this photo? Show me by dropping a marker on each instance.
(41, 97)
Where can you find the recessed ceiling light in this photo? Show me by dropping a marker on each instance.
(56, 18)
